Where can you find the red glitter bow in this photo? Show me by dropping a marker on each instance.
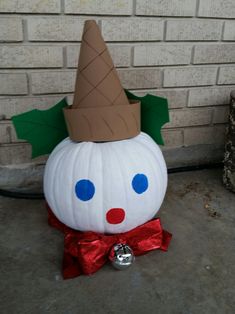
(86, 252)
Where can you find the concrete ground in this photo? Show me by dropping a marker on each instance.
(196, 275)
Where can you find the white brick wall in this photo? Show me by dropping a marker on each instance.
(189, 117)
(31, 56)
(101, 7)
(173, 138)
(59, 28)
(189, 76)
(162, 54)
(51, 82)
(132, 29)
(188, 30)
(229, 31)
(31, 6)
(11, 29)
(180, 49)
(217, 8)
(214, 53)
(226, 75)
(140, 78)
(13, 84)
(204, 135)
(166, 7)
(209, 96)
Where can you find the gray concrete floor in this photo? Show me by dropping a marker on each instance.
(196, 275)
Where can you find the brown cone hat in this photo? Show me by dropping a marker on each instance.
(100, 110)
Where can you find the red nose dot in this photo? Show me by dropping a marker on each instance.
(115, 216)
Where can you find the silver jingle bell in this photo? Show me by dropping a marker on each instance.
(123, 256)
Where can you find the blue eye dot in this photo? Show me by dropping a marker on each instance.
(140, 183)
(84, 190)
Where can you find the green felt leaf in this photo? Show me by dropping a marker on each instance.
(43, 129)
(154, 114)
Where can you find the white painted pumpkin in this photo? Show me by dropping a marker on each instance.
(107, 187)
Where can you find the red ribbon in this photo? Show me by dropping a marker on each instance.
(86, 252)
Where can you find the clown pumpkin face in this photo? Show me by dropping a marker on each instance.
(107, 187)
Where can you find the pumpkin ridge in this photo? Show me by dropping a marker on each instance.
(150, 164)
(145, 144)
(59, 212)
(91, 148)
(77, 150)
(156, 158)
(121, 169)
(101, 149)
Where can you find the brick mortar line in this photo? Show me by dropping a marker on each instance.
(151, 42)
(110, 16)
(64, 57)
(186, 87)
(212, 116)
(119, 42)
(183, 137)
(144, 90)
(187, 99)
(223, 30)
(160, 67)
(13, 144)
(131, 58)
(189, 127)
(206, 125)
(192, 55)
(25, 14)
(136, 90)
(62, 7)
(197, 8)
(217, 76)
(188, 109)
(155, 89)
(178, 17)
(133, 8)
(25, 31)
(162, 75)
(2, 97)
(164, 30)
(158, 41)
(8, 122)
(65, 93)
(29, 84)
(14, 95)
(22, 143)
